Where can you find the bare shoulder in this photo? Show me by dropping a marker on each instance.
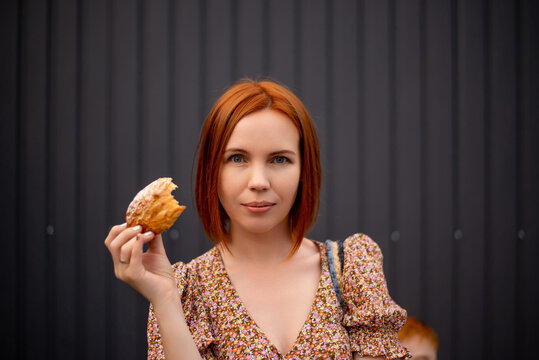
(308, 255)
(310, 247)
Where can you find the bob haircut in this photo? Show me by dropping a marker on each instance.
(413, 327)
(246, 97)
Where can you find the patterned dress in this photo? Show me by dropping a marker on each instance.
(223, 329)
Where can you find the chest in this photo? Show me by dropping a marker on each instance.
(275, 303)
(285, 318)
(279, 302)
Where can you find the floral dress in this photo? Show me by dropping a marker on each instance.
(223, 329)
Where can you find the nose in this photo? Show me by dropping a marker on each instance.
(258, 179)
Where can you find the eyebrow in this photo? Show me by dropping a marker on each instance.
(284, 151)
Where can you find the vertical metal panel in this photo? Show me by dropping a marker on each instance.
(123, 127)
(282, 46)
(501, 229)
(407, 155)
(360, 101)
(9, 181)
(312, 85)
(125, 168)
(327, 126)
(62, 230)
(439, 240)
(250, 38)
(94, 171)
(189, 65)
(528, 251)
(220, 49)
(49, 255)
(155, 89)
(472, 181)
(376, 126)
(344, 120)
(394, 234)
(34, 117)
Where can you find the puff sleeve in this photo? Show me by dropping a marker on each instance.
(195, 314)
(371, 317)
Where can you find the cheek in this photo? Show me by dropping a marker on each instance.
(228, 184)
(289, 184)
(222, 186)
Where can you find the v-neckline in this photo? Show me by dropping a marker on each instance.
(323, 271)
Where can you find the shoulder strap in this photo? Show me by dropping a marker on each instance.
(335, 255)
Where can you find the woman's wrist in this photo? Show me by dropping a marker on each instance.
(166, 302)
(176, 337)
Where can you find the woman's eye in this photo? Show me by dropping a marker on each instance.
(236, 159)
(280, 160)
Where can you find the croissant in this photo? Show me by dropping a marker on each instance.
(154, 208)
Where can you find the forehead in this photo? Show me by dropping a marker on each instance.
(265, 128)
(420, 347)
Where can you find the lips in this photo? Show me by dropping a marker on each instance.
(258, 206)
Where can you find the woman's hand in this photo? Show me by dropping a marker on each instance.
(150, 272)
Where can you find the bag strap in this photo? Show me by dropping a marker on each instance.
(335, 254)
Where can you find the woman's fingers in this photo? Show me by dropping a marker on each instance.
(156, 245)
(126, 250)
(114, 231)
(137, 249)
(123, 237)
(130, 246)
(150, 272)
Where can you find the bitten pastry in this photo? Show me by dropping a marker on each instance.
(154, 208)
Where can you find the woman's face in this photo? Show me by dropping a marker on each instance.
(260, 172)
(421, 348)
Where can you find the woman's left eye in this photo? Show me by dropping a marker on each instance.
(280, 160)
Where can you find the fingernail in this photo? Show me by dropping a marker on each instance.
(148, 234)
(137, 228)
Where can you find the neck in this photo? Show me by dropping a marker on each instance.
(266, 248)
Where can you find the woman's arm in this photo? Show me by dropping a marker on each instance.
(150, 273)
(175, 335)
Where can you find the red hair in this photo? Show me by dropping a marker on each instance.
(242, 99)
(417, 327)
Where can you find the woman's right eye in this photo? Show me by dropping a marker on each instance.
(237, 159)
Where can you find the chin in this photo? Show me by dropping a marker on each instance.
(259, 228)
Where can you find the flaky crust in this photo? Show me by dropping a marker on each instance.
(154, 208)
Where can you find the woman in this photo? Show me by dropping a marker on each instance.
(264, 291)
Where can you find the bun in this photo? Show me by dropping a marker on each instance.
(154, 208)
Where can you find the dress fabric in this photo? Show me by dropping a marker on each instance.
(223, 329)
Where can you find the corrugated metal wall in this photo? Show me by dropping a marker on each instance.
(428, 120)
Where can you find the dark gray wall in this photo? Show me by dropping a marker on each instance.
(428, 120)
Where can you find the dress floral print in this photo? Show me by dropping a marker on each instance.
(223, 329)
